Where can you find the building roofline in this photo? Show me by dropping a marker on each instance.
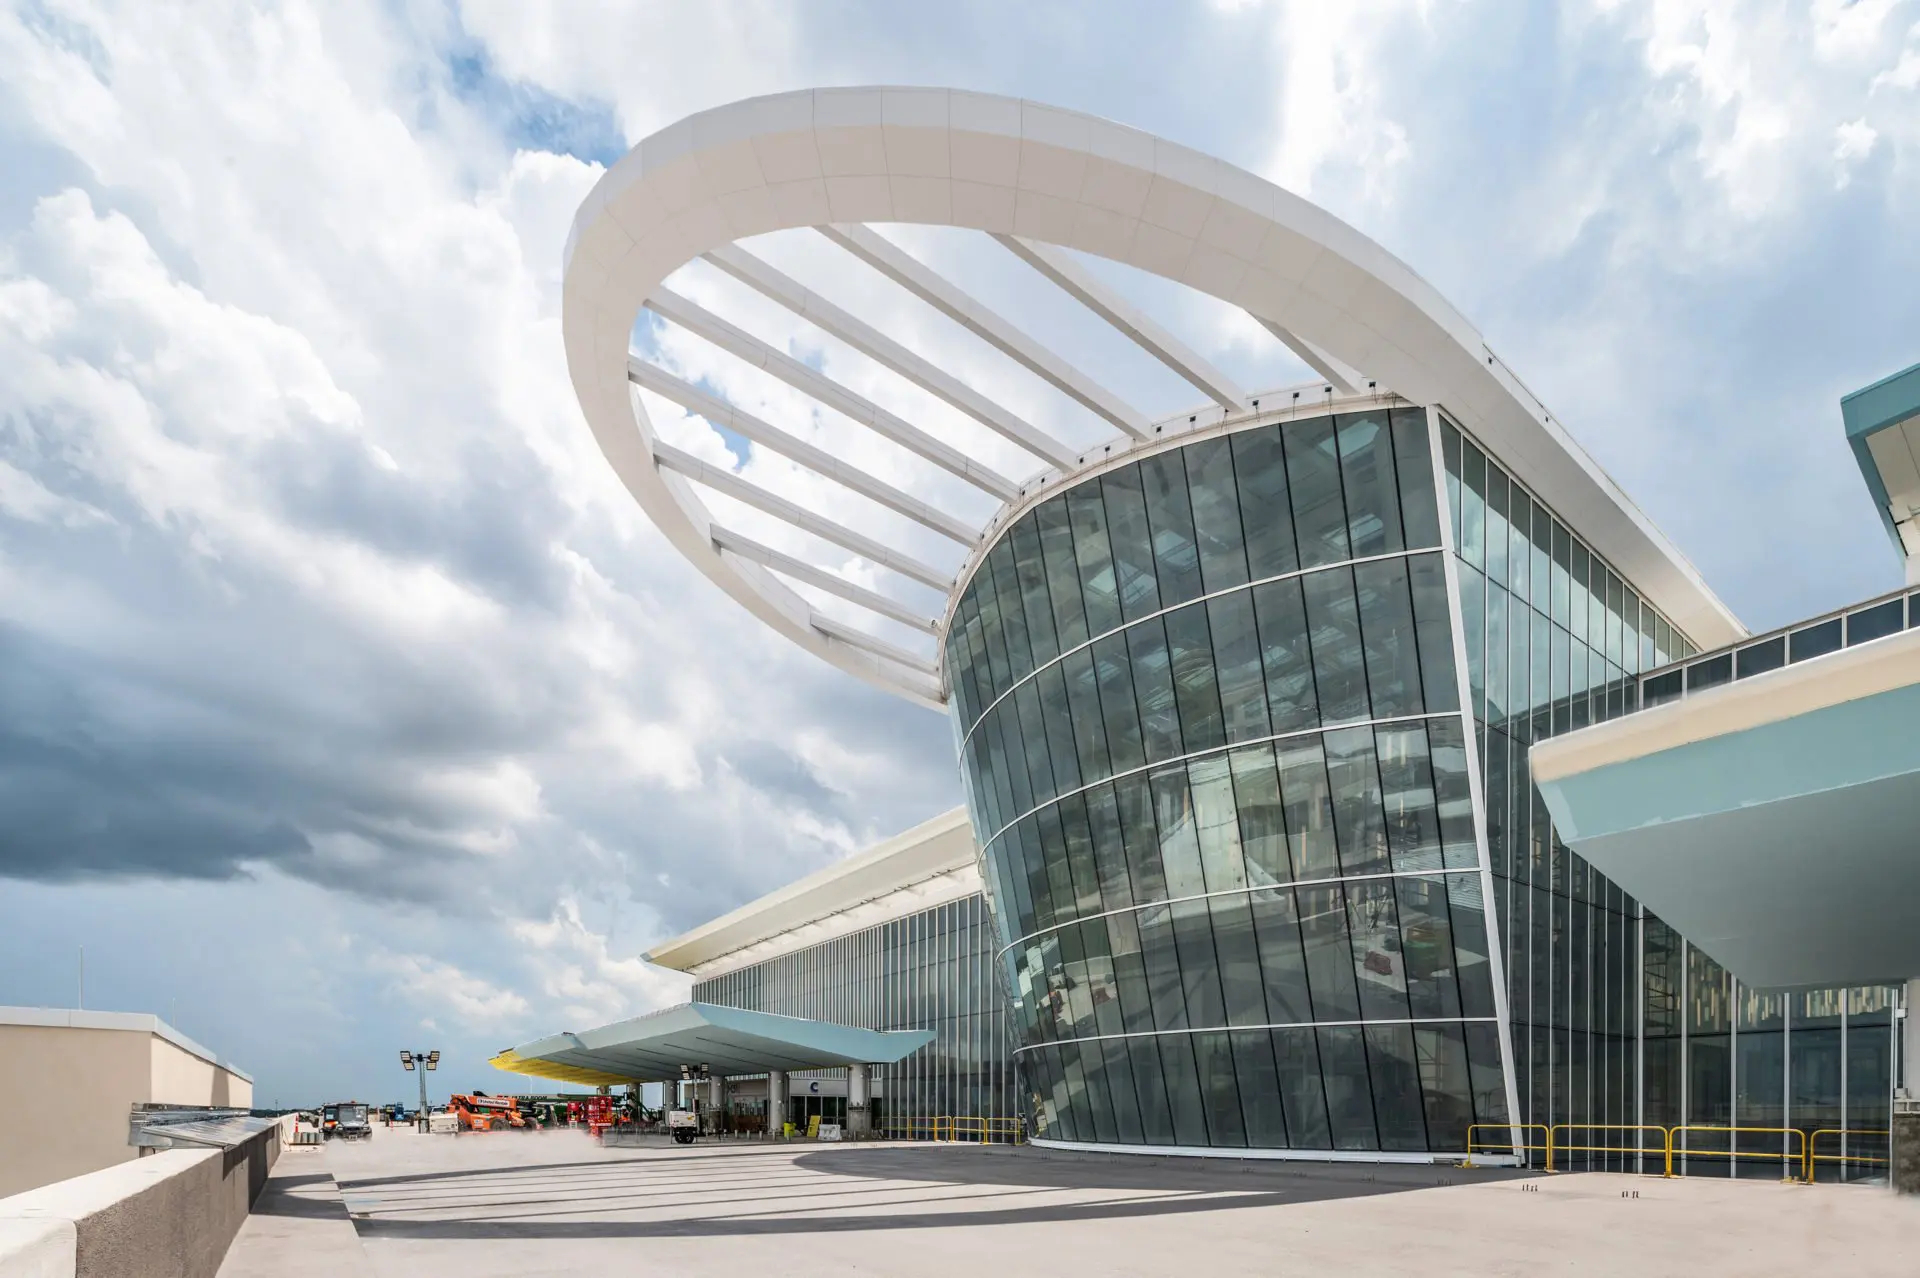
(1015, 170)
(137, 1022)
(938, 855)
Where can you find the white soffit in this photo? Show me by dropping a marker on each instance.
(1040, 180)
(934, 862)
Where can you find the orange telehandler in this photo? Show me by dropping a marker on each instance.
(483, 1113)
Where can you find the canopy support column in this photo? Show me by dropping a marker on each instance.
(859, 1102)
(776, 1101)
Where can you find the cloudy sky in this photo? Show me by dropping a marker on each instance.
(347, 703)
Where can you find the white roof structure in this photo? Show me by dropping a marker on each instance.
(934, 862)
(1048, 185)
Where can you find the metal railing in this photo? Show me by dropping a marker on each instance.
(961, 1129)
(1815, 1157)
(1802, 641)
(1797, 1151)
(1506, 1141)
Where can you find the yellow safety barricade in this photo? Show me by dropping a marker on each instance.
(1865, 1160)
(1505, 1141)
(1677, 1145)
(1661, 1152)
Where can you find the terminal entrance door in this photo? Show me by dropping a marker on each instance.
(803, 1108)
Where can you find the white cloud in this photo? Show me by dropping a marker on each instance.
(440, 988)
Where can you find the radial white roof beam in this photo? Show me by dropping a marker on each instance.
(818, 460)
(731, 485)
(800, 570)
(871, 342)
(1058, 180)
(1341, 379)
(934, 289)
(703, 323)
(1059, 266)
(841, 632)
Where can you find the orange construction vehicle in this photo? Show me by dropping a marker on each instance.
(483, 1113)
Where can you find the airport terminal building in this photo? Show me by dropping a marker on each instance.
(1246, 698)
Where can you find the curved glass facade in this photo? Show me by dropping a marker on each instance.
(1212, 738)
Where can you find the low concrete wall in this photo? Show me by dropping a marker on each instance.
(170, 1215)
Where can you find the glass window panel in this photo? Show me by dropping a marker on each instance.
(1767, 655)
(1370, 484)
(1358, 818)
(1445, 1085)
(1080, 854)
(1562, 565)
(1426, 948)
(1308, 800)
(1296, 1058)
(1433, 626)
(1031, 731)
(1710, 673)
(1134, 798)
(1236, 652)
(1396, 1087)
(1489, 1079)
(1349, 1096)
(1036, 603)
(1413, 458)
(1239, 958)
(1151, 665)
(1616, 610)
(1283, 963)
(1099, 586)
(1379, 965)
(1266, 514)
(1162, 962)
(1132, 542)
(1216, 514)
(1498, 537)
(1333, 622)
(1313, 477)
(1263, 828)
(1163, 476)
(1473, 625)
(1286, 653)
(1199, 964)
(1013, 620)
(1150, 1085)
(1118, 704)
(1519, 551)
(1213, 1056)
(1386, 627)
(1109, 849)
(1085, 716)
(1876, 622)
(1127, 1107)
(1473, 506)
(1217, 824)
(1062, 571)
(1058, 721)
(1129, 972)
(1540, 542)
(1406, 780)
(1472, 956)
(1196, 693)
(1498, 707)
(1581, 598)
(1183, 1090)
(1179, 841)
(1814, 641)
(1260, 1102)
(1329, 954)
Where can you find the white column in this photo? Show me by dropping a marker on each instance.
(716, 1103)
(776, 1100)
(859, 1101)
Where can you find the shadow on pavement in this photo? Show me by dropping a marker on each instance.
(1298, 1181)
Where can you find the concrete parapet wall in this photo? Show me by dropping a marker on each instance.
(170, 1215)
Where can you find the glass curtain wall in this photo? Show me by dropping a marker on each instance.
(933, 969)
(1554, 641)
(1211, 733)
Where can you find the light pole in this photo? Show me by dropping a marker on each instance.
(420, 1062)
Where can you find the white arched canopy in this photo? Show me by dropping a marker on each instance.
(1040, 180)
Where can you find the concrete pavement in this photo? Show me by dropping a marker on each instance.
(509, 1203)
